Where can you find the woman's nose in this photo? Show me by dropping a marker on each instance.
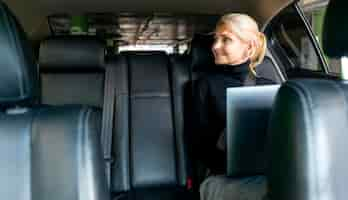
(216, 45)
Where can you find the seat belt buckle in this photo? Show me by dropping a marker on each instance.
(189, 183)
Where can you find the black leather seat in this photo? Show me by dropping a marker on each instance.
(72, 70)
(149, 144)
(308, 135)
(46, 152)
(308, 141)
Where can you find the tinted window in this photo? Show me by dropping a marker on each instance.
(291, 43)
(315, 14)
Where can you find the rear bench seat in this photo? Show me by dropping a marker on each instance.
(148, 136)
(72, 71)
(151, 159)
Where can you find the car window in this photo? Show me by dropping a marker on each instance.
(315, 13)
(291, 43)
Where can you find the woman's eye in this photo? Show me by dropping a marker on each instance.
(226, 39)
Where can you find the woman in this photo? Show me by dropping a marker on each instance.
(238, 48)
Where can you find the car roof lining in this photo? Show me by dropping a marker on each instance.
(33, 13)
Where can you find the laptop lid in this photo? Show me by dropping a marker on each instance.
(248, 112)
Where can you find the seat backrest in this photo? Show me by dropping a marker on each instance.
(51, 153)
(308, 141)
(46, 152)
(149, 144)
(72, 70)
(308, 135)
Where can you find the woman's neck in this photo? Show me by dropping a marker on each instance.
(238, 68)
(240, 71)
(240, 62)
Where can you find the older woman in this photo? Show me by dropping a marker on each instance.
(238, 48)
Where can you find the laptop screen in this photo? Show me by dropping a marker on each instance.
(248, 112)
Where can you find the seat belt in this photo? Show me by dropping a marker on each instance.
(108, 118)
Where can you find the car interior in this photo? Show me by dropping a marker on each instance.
(96, 101)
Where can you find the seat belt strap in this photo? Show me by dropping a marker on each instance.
(108, 118)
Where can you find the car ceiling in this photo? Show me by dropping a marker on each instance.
(32, 13)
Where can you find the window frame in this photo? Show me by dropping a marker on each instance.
(312, 37)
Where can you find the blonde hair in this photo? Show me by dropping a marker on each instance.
(247, 30)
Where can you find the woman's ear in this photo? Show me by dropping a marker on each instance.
(251, 49)
(247, 52)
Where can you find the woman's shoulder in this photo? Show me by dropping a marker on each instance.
(208, 83)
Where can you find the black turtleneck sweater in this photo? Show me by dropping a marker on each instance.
(210, 110)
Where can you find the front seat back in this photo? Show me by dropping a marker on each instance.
(46, 152)
(308, 141)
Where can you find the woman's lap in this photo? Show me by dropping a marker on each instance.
(224, 188)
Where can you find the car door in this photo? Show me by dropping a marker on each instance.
(294, 46)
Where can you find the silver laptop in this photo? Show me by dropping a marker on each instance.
(248, 112)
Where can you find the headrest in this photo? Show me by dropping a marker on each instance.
(335, 40)
(72, 53)
(248, 114)
(18, 71)
(201, 55)
(308, 141)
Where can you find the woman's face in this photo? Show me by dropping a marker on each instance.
(228, 48)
